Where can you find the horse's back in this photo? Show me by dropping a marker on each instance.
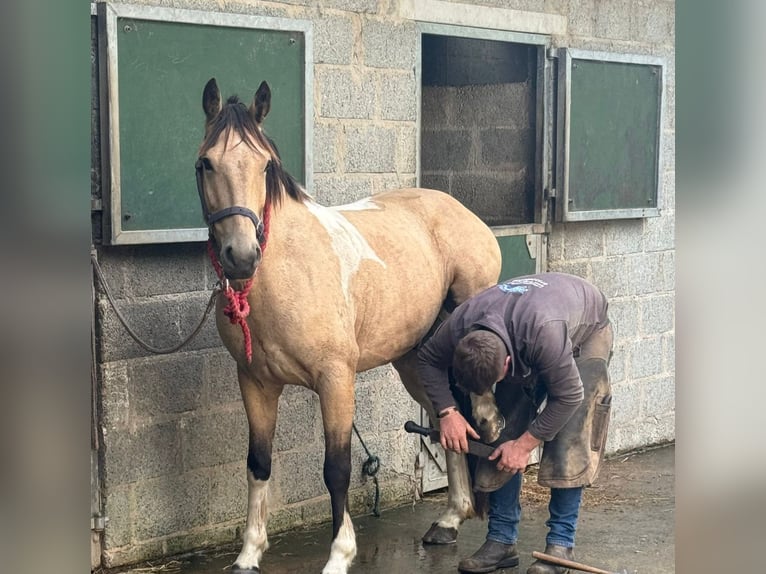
(430, 249)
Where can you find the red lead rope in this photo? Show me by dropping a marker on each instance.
(238, 307)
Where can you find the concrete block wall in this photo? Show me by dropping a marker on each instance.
(478, 145)
(172, 427)
(632, 261)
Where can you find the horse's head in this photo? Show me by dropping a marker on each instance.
(235, 162)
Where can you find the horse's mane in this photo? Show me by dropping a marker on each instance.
(234, 115)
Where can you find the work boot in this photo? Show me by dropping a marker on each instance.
(491, 556)
(540, 567)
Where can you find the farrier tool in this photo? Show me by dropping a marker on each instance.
(475, 447)
(572, 564)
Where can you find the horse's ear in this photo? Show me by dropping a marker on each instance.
(211, 99)
(261, 103)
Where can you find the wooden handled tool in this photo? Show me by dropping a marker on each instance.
(572, 564)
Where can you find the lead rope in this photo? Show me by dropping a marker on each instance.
(238, 307)
(370, 467)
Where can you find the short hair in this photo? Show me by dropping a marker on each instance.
(478, 361)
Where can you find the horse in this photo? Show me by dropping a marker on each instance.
(313, 295)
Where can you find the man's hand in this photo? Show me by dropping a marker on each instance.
(453, 432)
(513, 456)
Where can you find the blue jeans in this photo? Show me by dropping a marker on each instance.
(505, 513)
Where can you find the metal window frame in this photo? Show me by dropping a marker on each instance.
(543, 98)
(566, 56)
(108, 15)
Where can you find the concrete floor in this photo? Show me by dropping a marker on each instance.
(626, 522)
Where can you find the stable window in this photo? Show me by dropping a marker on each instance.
(154, 64)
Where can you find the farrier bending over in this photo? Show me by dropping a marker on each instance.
(538, 340)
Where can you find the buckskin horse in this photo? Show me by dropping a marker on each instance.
(313, 295)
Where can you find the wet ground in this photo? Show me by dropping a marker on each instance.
(626, 522)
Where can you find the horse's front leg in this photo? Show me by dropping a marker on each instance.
(460, 502)
(261, 407)
(336, 397)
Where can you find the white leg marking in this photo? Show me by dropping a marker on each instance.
(343, 549)
(255, 541)
(460, 497)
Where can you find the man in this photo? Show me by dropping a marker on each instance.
(540, 341)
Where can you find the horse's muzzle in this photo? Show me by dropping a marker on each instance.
(239, 263)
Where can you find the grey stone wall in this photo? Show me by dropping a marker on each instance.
(173, 430)
(632, 261)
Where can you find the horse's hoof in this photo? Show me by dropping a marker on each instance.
(237, 570)
(440, 535)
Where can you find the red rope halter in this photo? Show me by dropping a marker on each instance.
(238, 307)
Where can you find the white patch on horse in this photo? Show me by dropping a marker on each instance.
(348, 244)
(343, 549)
(360, 205)
(460, 499)
(255, 541)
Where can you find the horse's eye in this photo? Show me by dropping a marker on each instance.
(206, 165)
(268, 165)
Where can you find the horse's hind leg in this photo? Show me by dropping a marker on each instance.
(336, 398)
(459, 496)
(261, 406)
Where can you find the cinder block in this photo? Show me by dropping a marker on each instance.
(659, 397)
(623, 236)
(645, 358)
(507, 148)
(644, 273)
(657, 314)
(668, 198)
(610, 275)
(370, 150)
(445, 150)
(495, 105)
(149, 452)
(359, 6)
(166, 385)
(298, 475)
(406, 150)
(119, 528)
(652, 22)
(228, 492)
(330, 190)
(435, 107)
(668, 270)
(298, 422)
(114, 264)
(617, 365)
(659, 232)
(584, 241)
(496, 197)
(326, 146)
(191, 308)
(435, 181)
(333, 40)
(626, 404)
(342, 95)
(668, 150)
(171, 504)
(384, 181)
(156, 321)
(161, 269)
(389, 45)
(613, 19)
(581, 17)
(397, 96)
(115, 396)
(221, 379)
(624, 316)
(213, 439)
(578, 268)
(669, 352)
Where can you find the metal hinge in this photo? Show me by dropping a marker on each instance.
(95, 204)
(98, 523)
(552, 53)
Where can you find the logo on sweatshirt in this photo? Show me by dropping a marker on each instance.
(505, 288)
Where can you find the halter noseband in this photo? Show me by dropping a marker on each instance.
(211, 218)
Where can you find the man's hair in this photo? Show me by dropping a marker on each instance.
(478, 361)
